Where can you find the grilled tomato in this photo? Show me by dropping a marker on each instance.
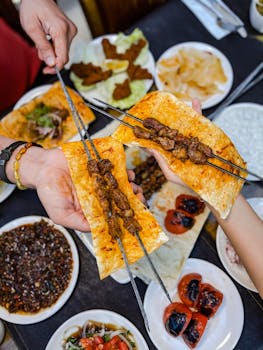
(195, 329)
(178, 221)
(190, 204)
(176, 318)
(189, 288)
(209, 300)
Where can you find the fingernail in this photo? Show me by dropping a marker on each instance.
(50, 61)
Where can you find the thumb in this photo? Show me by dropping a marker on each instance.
(44, 47)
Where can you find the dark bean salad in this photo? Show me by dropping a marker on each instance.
(35, 267)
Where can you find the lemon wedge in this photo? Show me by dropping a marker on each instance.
(117, 66)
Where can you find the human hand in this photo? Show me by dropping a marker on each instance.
(42, 17)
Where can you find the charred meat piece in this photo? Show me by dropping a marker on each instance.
(195, 155)
(151, 123)
(110, 50)
(105, 166)
(141, 133)
(110, 180)
(93, 167)
(90, 73)
(133, 51)
(131, 225)
(136, 72)
(114, 227)
(120, 199)
(122, 90)
(166, 143)
(176, 318)
(180, 152)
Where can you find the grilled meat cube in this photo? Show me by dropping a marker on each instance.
(195, 155)
(105, 166)
(110, 180)
(151, 123)
(114, 227)
(141, 133)
(131, 225)
(120, 199)
(93, 167)
(205, 149)
(182, 140)
(180, 152)
(166, 143)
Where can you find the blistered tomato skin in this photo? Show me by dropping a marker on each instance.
(209, 300)
(189, 288)
(176, 318)
(178, 222)
(195, 329)
(190, 204)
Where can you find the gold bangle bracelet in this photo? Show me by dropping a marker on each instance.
(16, 165)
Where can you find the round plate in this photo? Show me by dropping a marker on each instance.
(31, 94)
(222, 331)
(45, 313)
(95, 45)
(225, 88)
(99, 315)
(237, 271)
(5, 190)
(243, 123)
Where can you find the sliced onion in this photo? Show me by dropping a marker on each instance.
(72, 346)
(117, 332)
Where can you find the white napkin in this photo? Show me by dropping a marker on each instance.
(208, 19)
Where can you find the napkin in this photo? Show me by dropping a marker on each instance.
(208, 19)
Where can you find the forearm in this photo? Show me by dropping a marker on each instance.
(29, 164)
(245, 230)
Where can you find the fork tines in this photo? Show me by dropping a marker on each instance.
(141, 121)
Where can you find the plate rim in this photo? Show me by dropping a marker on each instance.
(100, 312)
(50, 311)
(219, 235)
(196, 261)
(7, 191)
(199, 45)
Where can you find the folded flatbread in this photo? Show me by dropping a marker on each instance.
(107, 252)
(15, 124)
(215, 187)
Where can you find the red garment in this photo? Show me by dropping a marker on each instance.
(19, 66)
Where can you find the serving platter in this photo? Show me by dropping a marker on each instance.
(30, 318)
(98, 315)
(202, 47)
(223, 329)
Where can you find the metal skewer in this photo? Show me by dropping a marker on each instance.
(141, 121)
(78, 120)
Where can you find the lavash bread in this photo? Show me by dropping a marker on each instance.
(15, 124)
(213, 186)
(107, 252)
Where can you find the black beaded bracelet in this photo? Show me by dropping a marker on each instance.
(5, 155)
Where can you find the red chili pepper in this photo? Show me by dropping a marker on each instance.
(209, 300)
(190, 204)
(195, 329)
(189, 289)
(176, 318)
(178, 222)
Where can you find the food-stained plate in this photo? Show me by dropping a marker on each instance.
(228, 255)
(30, 318)
(93, 52)
(243, 123)
(97, 315)
(222, 331)
(5, 190)
(194, 76)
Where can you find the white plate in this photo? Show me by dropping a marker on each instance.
(31, 94)
(225, 88)
(236, 271)
(99, 315)
(6, 190)
(243, 123)
(45, 313)
(96, 46)
(222, 331)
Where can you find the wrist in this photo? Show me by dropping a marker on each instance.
(29, 166)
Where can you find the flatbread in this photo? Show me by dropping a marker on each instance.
(107, 252)
(15, 124)
(218, 189)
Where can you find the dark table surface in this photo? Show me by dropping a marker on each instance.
(166, 26)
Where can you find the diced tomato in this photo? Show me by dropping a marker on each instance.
(123, 346)
(176, 318)
(189, 289)
(178, 221)
(209, 300)
(190, 204)
(115, 340)
(86, 341)
(195, 329)
(98, 340)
